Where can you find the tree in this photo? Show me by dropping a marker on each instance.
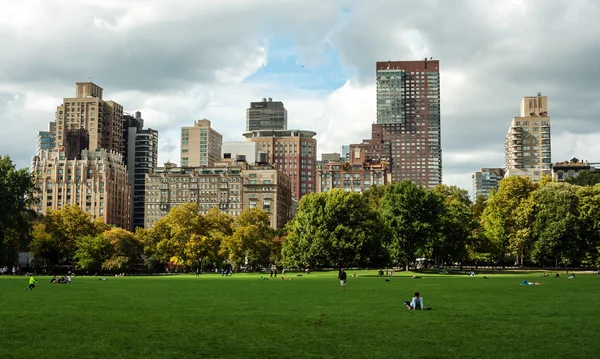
(43, 247)
(67, 225)
(251, 239)
(92, 252)
(412, 214)
(479, 247)
(589, 223)
(585, 178)
(199, 248)
(17, 190)
(455, 224)
(500, 220)
(334, 228)
(126, 250)
(556, 224)
(167, 239)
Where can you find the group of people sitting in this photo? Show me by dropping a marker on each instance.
(61, 280)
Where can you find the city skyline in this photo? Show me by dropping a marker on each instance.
(323, 73)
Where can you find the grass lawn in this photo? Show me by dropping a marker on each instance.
(245, 317)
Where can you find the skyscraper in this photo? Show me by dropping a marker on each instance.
(46, 140)
(486, 180)
(408, 109)
(294, 152)
(200, 145)
(266, 115)
(527, 148)
(86, 167)
(141, 157)
(87, 122)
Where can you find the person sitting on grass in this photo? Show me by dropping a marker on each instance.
(416, 303)
(557, 275)
(53, 280)
(572, 276)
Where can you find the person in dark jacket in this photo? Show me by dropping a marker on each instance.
(342, 277)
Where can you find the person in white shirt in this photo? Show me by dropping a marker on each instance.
(416, 303)
(68, 279)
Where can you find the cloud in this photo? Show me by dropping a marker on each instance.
(178, 61)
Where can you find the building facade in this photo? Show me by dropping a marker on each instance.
(330, 157)
(229, 189)
(408, 110)
(97, 182)
(200, 145)
(269, 189)
(87, 122)
(294, 152)
(527, 147)
(46, 140)
(562, 171)
(351, 178)
(141, 157)
(486, 180)
(248, 150)
(266, 115)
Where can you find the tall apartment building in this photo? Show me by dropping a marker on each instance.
(46, 140)
(408, 110)
(86, 121)
(294, 152)
(230, 189)
(266, 115)
(346, 152)
(141, 157)
(200, 145)
(97, 182)
(527, 147)
(486, 180)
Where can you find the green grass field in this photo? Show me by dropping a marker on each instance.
(244, 317)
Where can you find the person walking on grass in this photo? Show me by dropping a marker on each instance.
(342, 277)
(197, 272)
(32, 282)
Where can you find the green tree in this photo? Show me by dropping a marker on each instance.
(92, 252)
(589, 223)
(200, 248)
(251, 239)
(412, 215)
(500, 220)
(556, 224)
(126, 250)
(334, 228)
(455, 224)
(67, 225)
(585, 178)
(17, 191)
(479, 247)
(43, 247)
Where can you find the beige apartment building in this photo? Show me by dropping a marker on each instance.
(200, 145)
(230, 189)
(97, 182)
(527, 147)
(269, 189)
(294, 152)
(86, 121)
(352, 178)
(562, 171)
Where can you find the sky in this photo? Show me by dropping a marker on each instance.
(178, 61)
